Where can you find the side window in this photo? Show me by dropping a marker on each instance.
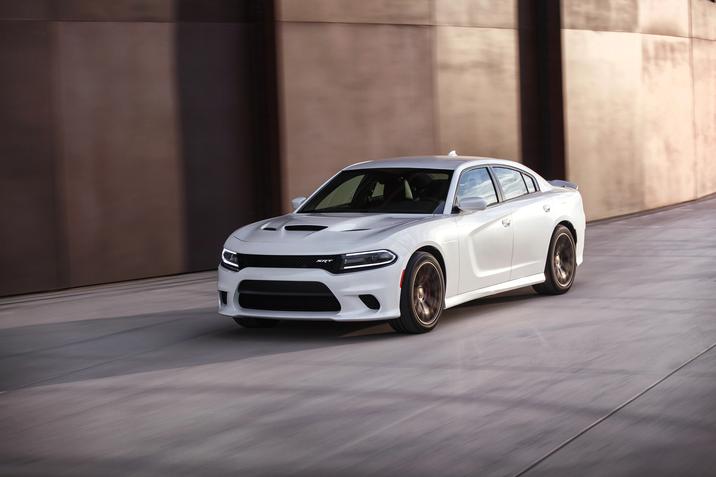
(477, 183)
(377, 190)
(531, 187)
(511, 182)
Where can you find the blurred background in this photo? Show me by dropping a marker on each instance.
(135, 135)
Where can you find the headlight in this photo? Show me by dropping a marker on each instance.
(360, 260)
(230, 260)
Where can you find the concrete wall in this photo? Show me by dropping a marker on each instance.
(136, 134)
(639, 102)
(127, 139)
(119, 162)
(378, 78)
(703, 44)
(30, 224)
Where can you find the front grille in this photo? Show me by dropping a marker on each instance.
(286, 296)
(331, 263)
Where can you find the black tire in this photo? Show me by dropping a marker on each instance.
(422, 297)
(561, 266)
(249, 322)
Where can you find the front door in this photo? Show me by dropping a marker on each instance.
(486, 236)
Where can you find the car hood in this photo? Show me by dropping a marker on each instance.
(324, 228)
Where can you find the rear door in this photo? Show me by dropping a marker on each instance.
(485, 237)
(531, 220)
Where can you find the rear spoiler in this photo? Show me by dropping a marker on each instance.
(567, 184)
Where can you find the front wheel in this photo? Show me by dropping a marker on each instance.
(422, 296)
(249, 322)
(561, 263)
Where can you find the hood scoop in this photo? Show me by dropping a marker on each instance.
(304, 228)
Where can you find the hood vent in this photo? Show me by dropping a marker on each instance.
(272, 229)
(304, 228)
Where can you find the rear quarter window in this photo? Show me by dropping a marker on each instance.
(531, 186)
(511, 182)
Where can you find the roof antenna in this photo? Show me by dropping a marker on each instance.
(452, 153)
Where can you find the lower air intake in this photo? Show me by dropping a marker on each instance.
(286, 296)
(370, 301)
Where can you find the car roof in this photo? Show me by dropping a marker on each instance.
(428, 162)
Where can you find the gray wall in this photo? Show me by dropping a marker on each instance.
(136, 134)
(127, 139)
(640, 101)
(376, 78)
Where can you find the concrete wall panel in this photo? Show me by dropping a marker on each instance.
(476, 13)
(30, 239)
(602, 83)
(664, 17)
(416, 12)
(352, 93)
(604, 15)
(121, 170)
(214, 96)
(704, 54)
(477, 90)
(703, 19)
(26, 9)
(667, 121)
(116, 10)
(659, 122)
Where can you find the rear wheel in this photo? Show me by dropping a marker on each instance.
(422, 296)
(249, 322)
(561, 265)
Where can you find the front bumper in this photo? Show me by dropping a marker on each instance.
(383, 283)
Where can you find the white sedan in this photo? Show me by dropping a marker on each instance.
(402, 240)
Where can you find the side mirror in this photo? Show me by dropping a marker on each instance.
(472, 204)
(296, 203)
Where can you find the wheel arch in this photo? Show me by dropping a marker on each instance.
(571, 229)
(438, 256)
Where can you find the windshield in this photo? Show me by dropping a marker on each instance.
(388, 191)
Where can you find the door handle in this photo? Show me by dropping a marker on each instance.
(546, 208)
(506, 221)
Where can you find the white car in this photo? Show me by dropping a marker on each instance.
(403, 239)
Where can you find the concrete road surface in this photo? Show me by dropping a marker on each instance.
(618, 377)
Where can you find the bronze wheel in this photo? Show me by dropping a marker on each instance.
(564, 259)
(422, 297)
(427, 293)
(561, 266)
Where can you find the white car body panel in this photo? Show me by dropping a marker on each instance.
(481, 255)
(485, 248)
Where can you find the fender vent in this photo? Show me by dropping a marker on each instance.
(304, 228)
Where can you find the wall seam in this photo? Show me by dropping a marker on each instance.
(642, 33)
(518, 83)
(282, 168)
(64, 271)
(434, 75)
(413, 24)
(695, 158)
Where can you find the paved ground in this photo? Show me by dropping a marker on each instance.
(144, 378)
